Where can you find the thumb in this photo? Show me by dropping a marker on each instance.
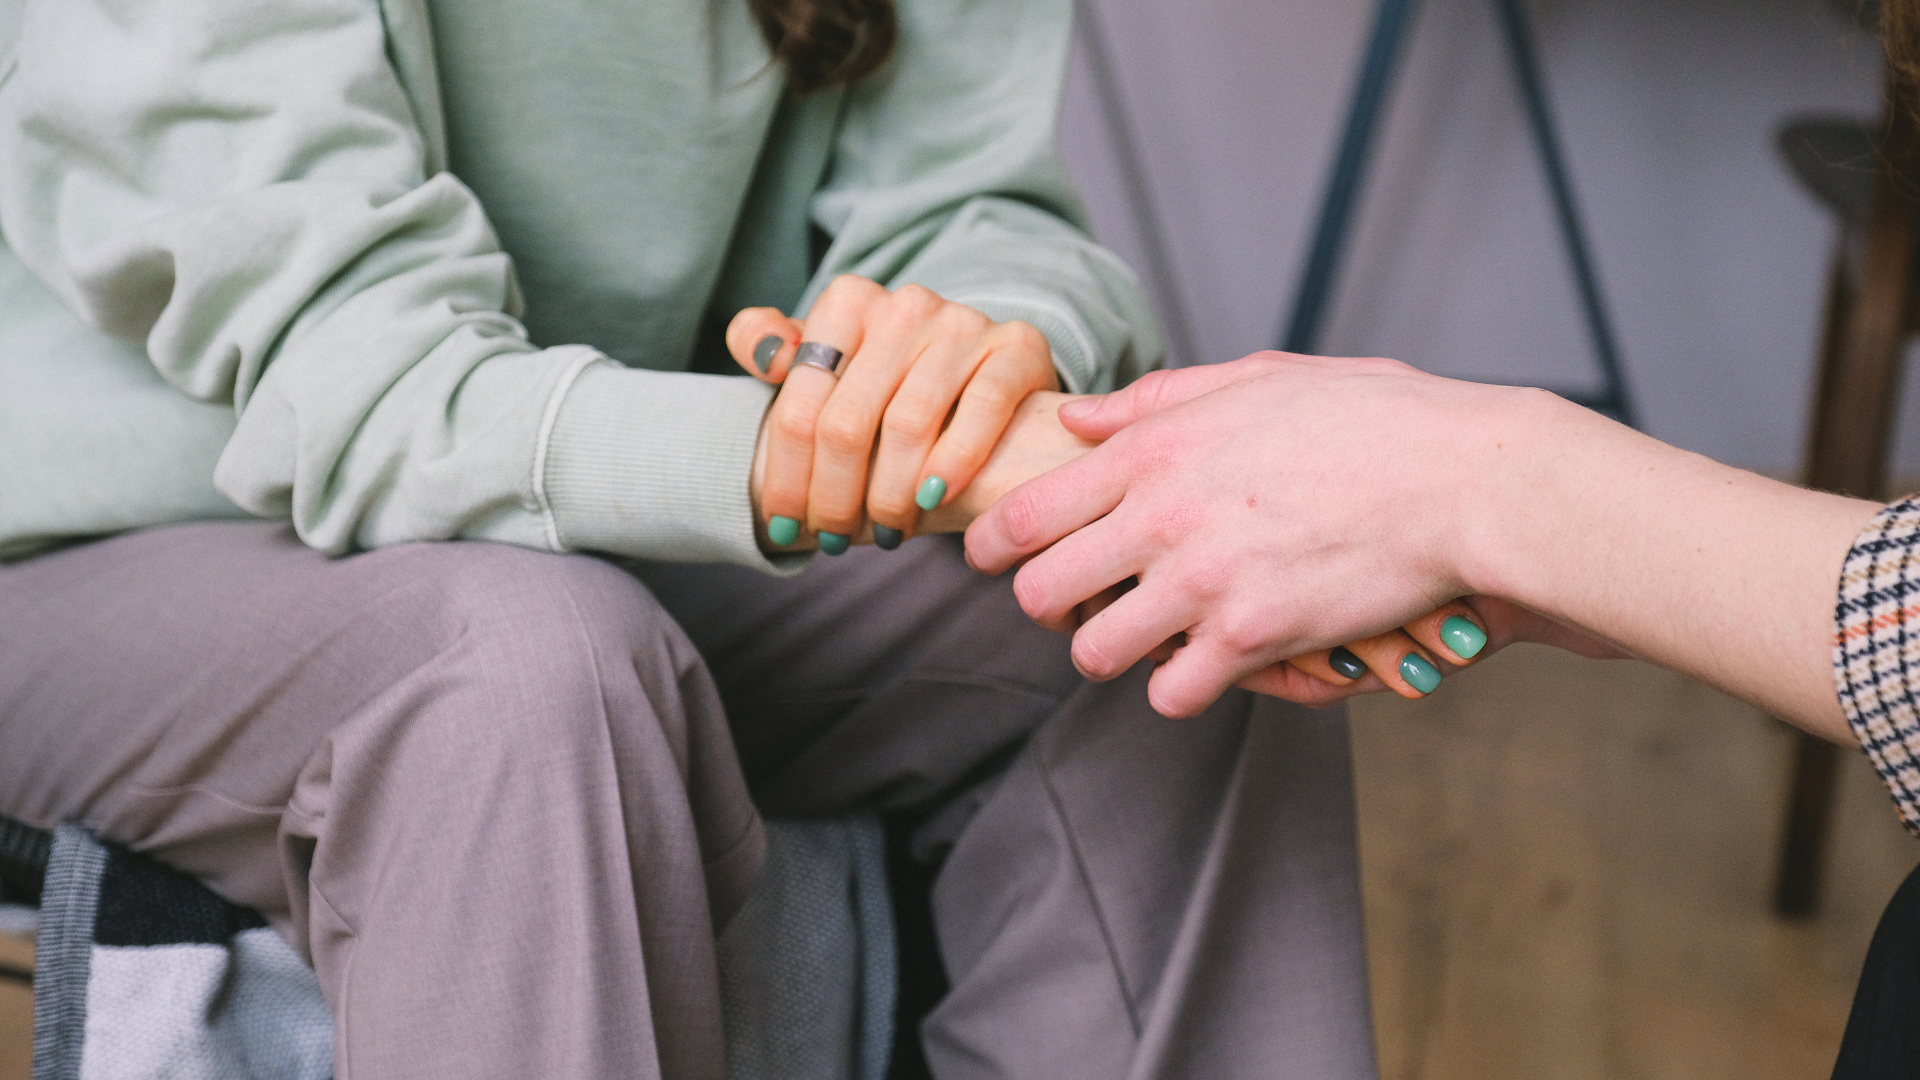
(1097, 418)
(762, 340)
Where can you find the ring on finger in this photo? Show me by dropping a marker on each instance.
(815, 354)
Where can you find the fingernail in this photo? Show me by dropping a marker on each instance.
(783, 531)
(932, 490)
(887, 539)
(834, 543)
(1465, 639)
(1419, 674)
(1079, 408)
(1342, 660)
(764, 352)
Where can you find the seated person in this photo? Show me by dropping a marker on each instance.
(398, 276)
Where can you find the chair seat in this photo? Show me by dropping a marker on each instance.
(1834, 158)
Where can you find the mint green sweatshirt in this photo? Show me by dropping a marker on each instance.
(405, 274)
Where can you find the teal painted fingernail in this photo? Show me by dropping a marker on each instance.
(1419, 674)
(1465, 639)
(834, 543)
(887, 539)
(764, 352)
(932, 490)
(1342, 660)
(783, 531)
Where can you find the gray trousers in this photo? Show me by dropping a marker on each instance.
(501, 799)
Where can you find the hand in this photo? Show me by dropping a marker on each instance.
(922, 396)
(1226, 492)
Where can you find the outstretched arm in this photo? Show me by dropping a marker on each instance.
(1281, 505)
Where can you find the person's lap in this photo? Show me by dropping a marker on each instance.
(1150, 881)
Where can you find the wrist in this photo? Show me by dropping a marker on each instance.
(1532, 459)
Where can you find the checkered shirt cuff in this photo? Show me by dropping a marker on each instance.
(1876, 652)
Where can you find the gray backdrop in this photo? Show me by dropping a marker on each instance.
(1713, 258)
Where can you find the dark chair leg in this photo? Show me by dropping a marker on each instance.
(1796, 892)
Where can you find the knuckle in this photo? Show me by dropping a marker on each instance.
(959, 320)
(1025, 337)
(1202, 576)
(914, 419)
(916, 296)
(793, 425)
(1091, 659)
(842, 431)
(1020, 517)
(890, 507)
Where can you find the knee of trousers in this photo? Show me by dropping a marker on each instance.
(524, 652)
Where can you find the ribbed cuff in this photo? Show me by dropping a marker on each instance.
(656, 465)
(1876, 650)
(1075, 357)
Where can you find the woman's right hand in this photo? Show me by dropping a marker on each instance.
(924, 392)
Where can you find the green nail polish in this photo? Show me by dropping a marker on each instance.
(887, 539)
(1342, 660)
(783, 531)
(834, 543)
(764, 352)
(1465, 639)
(1419, 674)
(932, 490)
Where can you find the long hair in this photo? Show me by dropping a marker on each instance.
(827, 43)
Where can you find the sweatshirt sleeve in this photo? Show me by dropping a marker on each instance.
(255, 192)
(945, 173)
(1876, 652)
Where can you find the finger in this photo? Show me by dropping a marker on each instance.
(958, 344)
(1283, 680)
(1083, 564)
(1199, 672)
(1098, 418)
(837, 320)
(762, 341)
(1320, 666)
(1038, 513)
(1404, 665)
(1130, 628)
(1451, 632)
(1018, 364)
(895, 338)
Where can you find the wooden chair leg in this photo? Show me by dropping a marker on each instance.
(1796, 892)
(1866, 330)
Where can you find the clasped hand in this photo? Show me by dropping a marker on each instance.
(895, 442)
(936, 412)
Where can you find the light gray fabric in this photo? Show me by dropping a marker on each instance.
(807, 968)
(249, 1009)
(64, 953)
(807, 978)
(376, 251)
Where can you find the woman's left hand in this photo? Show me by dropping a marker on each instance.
(924, 390)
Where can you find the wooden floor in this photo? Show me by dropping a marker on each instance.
(1566, 865)
(16, 1012)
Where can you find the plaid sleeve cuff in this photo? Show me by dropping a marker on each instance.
(1876, 650)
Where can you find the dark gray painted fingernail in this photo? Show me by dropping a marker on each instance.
(887, 539)
(764, 352)
(1342, 660)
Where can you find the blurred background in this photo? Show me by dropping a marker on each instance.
(1568, 864)
(1712, 256)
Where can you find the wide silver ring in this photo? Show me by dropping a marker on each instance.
(815, 354)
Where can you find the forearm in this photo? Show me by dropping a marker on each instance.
(1696, 566)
